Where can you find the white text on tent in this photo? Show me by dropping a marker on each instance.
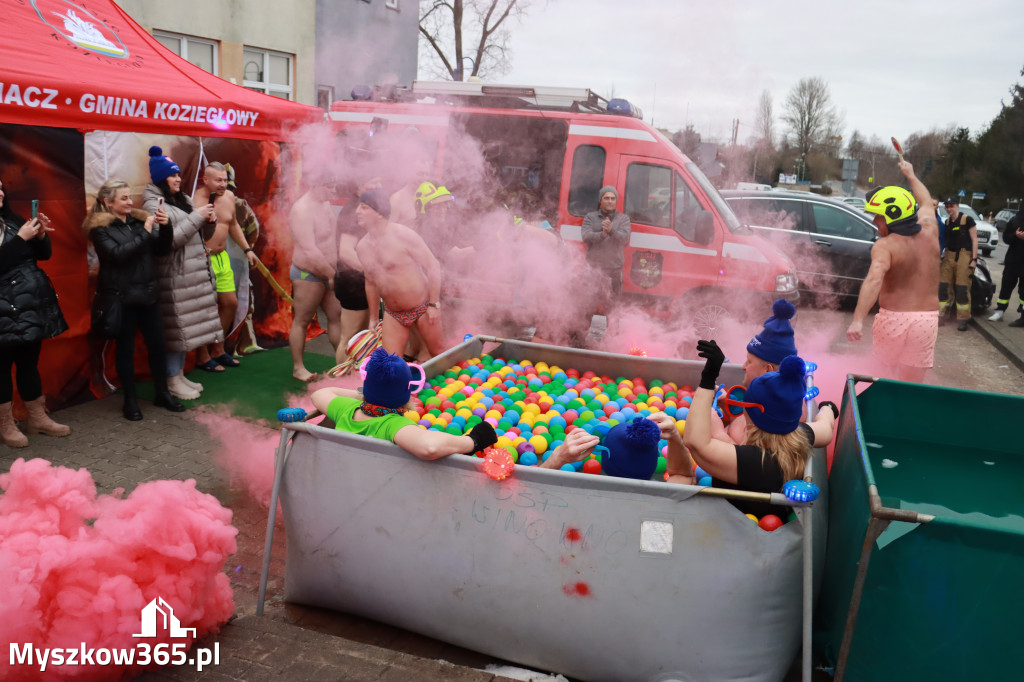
(171, 111)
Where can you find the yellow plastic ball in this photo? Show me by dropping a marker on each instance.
(752, 518)
(680, 426)
(540, 445)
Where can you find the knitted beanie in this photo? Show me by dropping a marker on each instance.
(605, 190)
(782, 395)
(775, 341)
(378, 200)
(632, 449)
(160, 167)
(387, 380)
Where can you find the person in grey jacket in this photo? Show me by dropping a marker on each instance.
(188, 298)
(606, 233)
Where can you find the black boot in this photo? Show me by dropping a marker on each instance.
(165, 399)
(131, 405)
(1019, 322)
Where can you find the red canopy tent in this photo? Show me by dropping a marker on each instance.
(85, 64)
(75, 70)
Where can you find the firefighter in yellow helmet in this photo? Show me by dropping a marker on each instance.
(432, 222)
(903, 279)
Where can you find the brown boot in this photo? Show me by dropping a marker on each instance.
(40, 422)
(10, 432)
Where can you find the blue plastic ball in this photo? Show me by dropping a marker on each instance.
(528, 459)
(706, 481)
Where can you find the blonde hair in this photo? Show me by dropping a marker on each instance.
(105, 194)
(791, 450)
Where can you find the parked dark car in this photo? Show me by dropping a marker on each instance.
(829, 241)
(1002, 218)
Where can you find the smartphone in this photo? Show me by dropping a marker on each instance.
(35, 207)
(160, 204)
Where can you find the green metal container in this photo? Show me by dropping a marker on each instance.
(924, 573)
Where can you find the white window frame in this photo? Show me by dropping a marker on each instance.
(392, 4)
(185, 40)
(265, 86)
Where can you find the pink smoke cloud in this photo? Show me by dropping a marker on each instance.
(78, 568)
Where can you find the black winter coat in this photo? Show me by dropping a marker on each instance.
(29, 310)
(127, 255)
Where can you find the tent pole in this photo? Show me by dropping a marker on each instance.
(106, 168)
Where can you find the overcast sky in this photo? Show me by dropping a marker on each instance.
(894, 67)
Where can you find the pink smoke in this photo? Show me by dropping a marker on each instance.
(79, 568)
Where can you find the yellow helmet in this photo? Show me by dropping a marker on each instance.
(893, 203)
(428, 193)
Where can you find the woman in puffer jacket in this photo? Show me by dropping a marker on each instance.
(127, 242)
(29, 313)
(188, 298)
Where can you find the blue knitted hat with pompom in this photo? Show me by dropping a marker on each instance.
(160, 167)
(387, 380)
(632, 449)
(782, 395)
(776, 339)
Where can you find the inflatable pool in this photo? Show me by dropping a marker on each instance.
(594, 577)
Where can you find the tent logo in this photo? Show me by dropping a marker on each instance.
(81, 27)
(158, 611)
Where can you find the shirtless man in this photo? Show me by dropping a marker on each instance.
(401, 271)
(314, 259)
(214, 190)
(903, 278)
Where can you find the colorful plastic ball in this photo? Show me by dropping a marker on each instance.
(770, 522)
(591, 466)
(567, 467)
(752, 518)
(705, 482)
(540, 445)
(524, 447)
(528, 459)
(661, 465)
(699, 473)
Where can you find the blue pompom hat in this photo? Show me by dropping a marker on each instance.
(775, 341)
(387, 380)
(782, 396)
(160, 167)
(632, 449)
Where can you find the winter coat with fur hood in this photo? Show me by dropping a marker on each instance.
(127, 255)
(188, 292)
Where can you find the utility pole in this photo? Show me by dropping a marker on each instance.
(735, 130)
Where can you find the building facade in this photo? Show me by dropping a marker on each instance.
(364, 42)
(308, 51)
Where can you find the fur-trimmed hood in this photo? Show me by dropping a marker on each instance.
(105, 219)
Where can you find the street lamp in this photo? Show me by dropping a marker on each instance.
(460, 71)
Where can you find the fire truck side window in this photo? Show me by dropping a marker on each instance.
(687, 210)
(649, 194)
(587, 179)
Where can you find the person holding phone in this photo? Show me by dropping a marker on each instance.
(29, 313)
(127, 243)
(188, 298)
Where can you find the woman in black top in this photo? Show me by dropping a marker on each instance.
(127, 245)
(777, 445)
(29, 313)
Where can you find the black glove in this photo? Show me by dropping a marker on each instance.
(715, 358)
(483, 436)
(831, 405)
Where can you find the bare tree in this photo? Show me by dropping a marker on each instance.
(764, 125)
(454, 31)
(812, 118)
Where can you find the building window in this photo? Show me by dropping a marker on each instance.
(324, 96)
(267, 72)
(202, 53)
(391, 4)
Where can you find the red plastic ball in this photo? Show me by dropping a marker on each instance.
(591, 466)
(770, 522)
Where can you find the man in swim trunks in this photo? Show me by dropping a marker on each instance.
(903, 278)
(314, 259)
(214, 190)
(349, 281)
(400, 271)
